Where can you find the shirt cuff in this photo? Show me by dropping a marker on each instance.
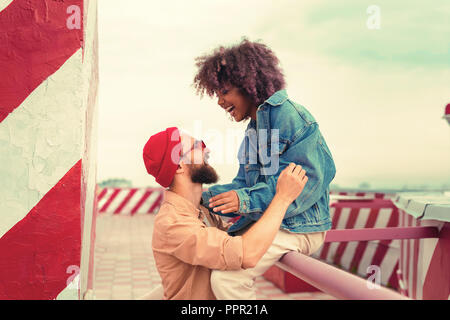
(233, 253)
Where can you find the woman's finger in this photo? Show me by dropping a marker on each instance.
(291, 167)
(302, 174)
(223, 207)
(219, 196)
(219, 201)
(232, 209)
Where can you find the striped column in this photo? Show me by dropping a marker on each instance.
(48, 94)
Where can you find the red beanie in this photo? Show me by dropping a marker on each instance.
(158, 155)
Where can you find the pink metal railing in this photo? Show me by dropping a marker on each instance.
(342, 284)
(339, 283)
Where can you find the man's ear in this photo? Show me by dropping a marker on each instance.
(181, 167)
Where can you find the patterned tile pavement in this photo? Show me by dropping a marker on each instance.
(125, 269)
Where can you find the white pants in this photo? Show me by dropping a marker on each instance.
(238, 285)
(157, 293)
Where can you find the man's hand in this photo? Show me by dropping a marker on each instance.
(291, 182)
(225, 202)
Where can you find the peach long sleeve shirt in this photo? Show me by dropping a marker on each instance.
(186, 249)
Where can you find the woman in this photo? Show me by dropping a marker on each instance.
(249, 84)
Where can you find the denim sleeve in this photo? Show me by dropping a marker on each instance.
(303, 150)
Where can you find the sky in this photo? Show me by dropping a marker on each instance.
(375, 75)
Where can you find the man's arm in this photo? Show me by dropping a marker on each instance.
(195, 244)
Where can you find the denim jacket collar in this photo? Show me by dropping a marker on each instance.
(278, 98)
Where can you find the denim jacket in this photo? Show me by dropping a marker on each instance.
(288, 133)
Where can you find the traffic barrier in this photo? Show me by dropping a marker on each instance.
(129, 201)
(48, 94)
(424, 268)
(357, 256)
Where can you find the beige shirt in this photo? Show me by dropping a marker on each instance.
(186, 249)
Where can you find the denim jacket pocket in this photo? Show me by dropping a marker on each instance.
(252, 172)
(282, 146)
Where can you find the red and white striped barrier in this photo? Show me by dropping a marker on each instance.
(48, 89)
(129, 201)
(357, 256)
(413, 255)
(424, 268)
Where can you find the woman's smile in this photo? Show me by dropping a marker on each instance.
(235, 103)
(231, 109)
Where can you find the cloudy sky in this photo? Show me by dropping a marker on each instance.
(375, 75)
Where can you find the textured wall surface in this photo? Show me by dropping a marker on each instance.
(47, 103)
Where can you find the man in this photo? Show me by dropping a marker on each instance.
(184, 247)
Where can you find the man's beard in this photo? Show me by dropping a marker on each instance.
(203, 173)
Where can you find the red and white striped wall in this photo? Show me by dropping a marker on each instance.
(357, 256)
(424, 263)
(48, 89)
(129, 201)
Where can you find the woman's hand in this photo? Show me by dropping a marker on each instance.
(291, 182)
(225, 202)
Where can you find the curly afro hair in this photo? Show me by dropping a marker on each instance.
(250, 66)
